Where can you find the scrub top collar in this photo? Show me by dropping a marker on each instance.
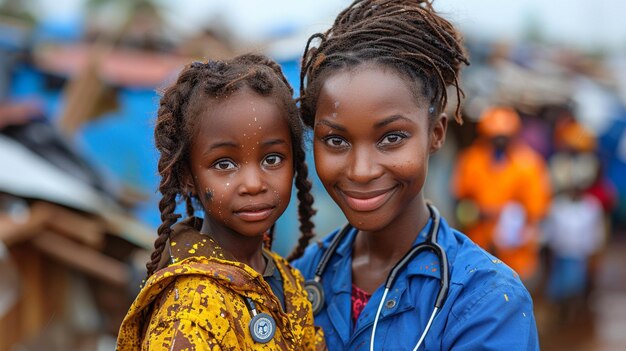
(344, 251)
(425, 264)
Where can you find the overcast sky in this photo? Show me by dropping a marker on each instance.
(578, 22)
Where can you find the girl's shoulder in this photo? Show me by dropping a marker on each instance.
(198, 276)
(186, 241)
(195, 290)
(291, 275)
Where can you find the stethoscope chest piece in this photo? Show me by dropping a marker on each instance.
(315, 294)
(262, 328)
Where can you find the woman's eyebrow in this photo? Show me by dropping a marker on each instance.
(390, 120)
(331, 125)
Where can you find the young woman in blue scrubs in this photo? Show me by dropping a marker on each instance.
(374, 90)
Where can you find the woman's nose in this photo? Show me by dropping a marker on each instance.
(363, 166)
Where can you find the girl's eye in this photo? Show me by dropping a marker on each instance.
(392, 138)
(272, 160)
(224, 165)
(335, 142)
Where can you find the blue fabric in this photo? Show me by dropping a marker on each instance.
(487, 307)
(275, 281)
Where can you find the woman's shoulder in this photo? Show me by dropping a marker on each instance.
(484, 287)
(476, 269)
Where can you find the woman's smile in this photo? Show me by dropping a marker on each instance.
(367, 201)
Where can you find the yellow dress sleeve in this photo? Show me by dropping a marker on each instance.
(187, 317)
(180, 335)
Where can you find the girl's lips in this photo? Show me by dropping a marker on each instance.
(366, 202)
(255, 214)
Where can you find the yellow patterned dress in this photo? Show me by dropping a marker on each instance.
(199, 302)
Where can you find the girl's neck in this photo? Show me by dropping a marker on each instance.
(248, 250)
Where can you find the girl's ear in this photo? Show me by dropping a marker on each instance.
(438, 133)
(187, 182)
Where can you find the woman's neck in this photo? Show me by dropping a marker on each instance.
(387, 245)
(248, 250)
(375, 253)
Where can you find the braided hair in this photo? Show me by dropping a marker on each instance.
(406, 35)
(198, 84)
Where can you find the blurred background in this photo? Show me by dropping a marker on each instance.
(536, 174)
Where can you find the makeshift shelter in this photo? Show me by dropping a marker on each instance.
(67, 249)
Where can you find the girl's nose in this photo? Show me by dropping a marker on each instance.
(252, 181)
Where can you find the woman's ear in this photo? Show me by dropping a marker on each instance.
(438, 133)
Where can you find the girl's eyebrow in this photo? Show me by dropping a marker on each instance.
(222, 144)
(230, 144)
(219, 145)
(331, 125)
(274, 142)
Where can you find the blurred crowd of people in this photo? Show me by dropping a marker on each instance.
(546, 218)
(538, 176)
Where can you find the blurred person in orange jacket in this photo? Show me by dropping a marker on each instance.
(503, 190)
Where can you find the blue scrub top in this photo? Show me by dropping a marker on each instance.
(487, 307)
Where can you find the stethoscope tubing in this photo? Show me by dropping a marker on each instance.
(430, 244)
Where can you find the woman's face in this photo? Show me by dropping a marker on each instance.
(372, 141)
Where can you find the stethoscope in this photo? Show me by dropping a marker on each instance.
(262, 326)
(315, 290)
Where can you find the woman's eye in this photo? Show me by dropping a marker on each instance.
(335, 142)
(224, 165)
(392, 138)
(272, 160)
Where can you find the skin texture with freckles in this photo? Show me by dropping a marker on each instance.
(241, 155)
(372, 142)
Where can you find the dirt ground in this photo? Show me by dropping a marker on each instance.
(597, 324)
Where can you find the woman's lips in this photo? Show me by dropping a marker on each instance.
(367, 201)
(255, 213)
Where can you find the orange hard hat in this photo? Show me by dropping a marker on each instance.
(499, 121)
(575, 136)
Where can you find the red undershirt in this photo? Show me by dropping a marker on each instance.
(359, 300)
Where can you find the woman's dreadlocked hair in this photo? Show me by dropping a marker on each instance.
(406, 35)
(201, 83)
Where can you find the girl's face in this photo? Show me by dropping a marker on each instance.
(241, 163)
(372, 143)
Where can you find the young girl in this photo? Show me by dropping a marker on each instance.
(398, 277)
(230, 139)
